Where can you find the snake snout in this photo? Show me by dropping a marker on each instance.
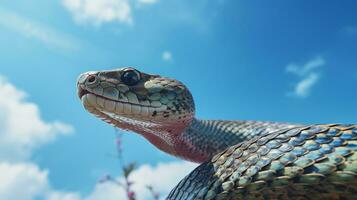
(84, 80)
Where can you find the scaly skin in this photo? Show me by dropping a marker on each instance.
(312, 162)
(264, 160)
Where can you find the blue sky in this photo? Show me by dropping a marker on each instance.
(292, 61)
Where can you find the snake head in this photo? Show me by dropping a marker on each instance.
(128, 98)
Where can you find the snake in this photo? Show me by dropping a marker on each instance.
(239, 159)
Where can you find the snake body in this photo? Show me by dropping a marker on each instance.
(240, 159)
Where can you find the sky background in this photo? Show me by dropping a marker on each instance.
(290, 61)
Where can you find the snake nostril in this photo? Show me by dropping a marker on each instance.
(91, 79)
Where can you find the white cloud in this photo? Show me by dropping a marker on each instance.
(31, 29)
(147, 1)
(26, 181)
(56, 195)
(100, 11)
(163, 178)
(308, 78)
(21, 127)
(167, 181)
(21, 130)
(21, 181)
(166, 56)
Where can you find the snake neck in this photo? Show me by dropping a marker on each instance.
(205, 138)
(200, 140)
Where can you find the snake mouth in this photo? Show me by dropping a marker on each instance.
(81, 92)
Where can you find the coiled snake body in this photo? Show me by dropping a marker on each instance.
(240, 159)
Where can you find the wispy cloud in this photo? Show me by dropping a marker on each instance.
(349, 30)
(32, 29)
(100, 11)
(307, 74)
(303, 88)
(306, 68)
(166, 56)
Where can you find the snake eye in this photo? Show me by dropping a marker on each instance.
(130, 77)
(91, 79)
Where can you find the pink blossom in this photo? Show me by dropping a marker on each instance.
(131, 195)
